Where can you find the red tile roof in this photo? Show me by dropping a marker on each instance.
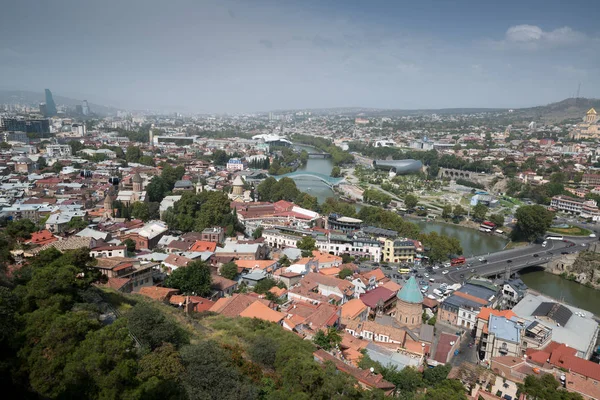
(373, 296)
(158, 293)
(203, 245)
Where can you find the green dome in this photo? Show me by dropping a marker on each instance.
(410, 293)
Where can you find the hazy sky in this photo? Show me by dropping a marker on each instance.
(242, 56)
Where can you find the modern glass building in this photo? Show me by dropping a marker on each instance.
(50, 105)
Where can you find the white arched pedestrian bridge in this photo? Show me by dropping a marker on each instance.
(326, 179)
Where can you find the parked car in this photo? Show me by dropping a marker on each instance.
(445, 272)
(462, 275)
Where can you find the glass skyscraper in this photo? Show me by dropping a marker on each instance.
(50, 105)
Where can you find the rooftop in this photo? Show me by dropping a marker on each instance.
(504, 329)
(411, 293)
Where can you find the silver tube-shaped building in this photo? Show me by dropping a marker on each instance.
(399, 166)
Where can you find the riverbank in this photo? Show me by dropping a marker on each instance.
(582, 268)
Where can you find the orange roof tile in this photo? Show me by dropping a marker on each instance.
(353, 308)
(255, 264)
(333, 271)
(377, 273)
(393, 286)
(471, 297)
(485, 312)
(202, 245)
(158, 293)
(261, 311)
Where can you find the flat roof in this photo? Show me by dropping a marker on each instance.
(504, 329)
(579, 332)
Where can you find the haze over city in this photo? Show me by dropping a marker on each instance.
(235, 56)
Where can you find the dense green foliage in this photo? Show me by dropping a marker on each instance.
(196, 212)
(160, 186)
(327, 340)
(229, 270)
(479, 212)
(307, 244)
(274, 190)
(193, 279)
(411, 384)
(411, 201)
(338, 156)
(532, 222)
(376, 197)
(545, 387)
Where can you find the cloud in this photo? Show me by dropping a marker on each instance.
(531, 36)
(267, 43)
(571, 70)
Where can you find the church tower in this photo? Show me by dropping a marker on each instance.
(591, 116)
(238, 186)
(108, 206)
(409, 308)
(137, 183)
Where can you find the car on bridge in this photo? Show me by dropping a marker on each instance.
(536, 255)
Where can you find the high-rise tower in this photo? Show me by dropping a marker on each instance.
(50, 105)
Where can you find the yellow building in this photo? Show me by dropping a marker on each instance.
(398, 250)
(589, 128)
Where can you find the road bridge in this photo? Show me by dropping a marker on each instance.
(319, 155)
(518, 259)
(326, 179)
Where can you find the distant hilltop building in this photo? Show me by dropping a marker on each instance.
(532, 126)
(85, 108)
(589, 128)
(361, 121)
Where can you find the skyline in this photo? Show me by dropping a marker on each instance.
(229, 56)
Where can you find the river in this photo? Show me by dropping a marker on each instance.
(472, 242)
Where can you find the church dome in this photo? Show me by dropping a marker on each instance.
(410, 293)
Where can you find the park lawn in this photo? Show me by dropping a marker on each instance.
(571, 231)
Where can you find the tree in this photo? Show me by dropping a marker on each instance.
(130, 243)
(264, 285)
(440, 246)
(545, 387)
(411, 201)
(446, 211)
(479, 212)
(336, 172)
(257, 232)
(497, 219)
(284, 261)
(152, 328)
(307, 244)
(229, 270)
(146, 160)
(133, 154)
(20, 229)
(264, 351)
(140, 210)
(327, 340)
(194, 278)
(532, 221)
(156, 189)
(345, 272)
(77, 223)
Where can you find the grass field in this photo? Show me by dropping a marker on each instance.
(571, 231)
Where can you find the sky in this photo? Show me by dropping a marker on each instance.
(232, 56)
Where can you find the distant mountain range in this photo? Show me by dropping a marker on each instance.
(33, 98)
(572, 108)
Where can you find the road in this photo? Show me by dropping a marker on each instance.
(519, 258)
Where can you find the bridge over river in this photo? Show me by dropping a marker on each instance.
(326, 179)
(519, 258)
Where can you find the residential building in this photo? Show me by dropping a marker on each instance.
(214, 234)
(355, 310)
(381, 301)
(573, 205)
(235, 164)
(336, 222)
(242, 251)
(146, 237)
(398, 250)
(130, 274)
(108, 251)
(58, 151)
